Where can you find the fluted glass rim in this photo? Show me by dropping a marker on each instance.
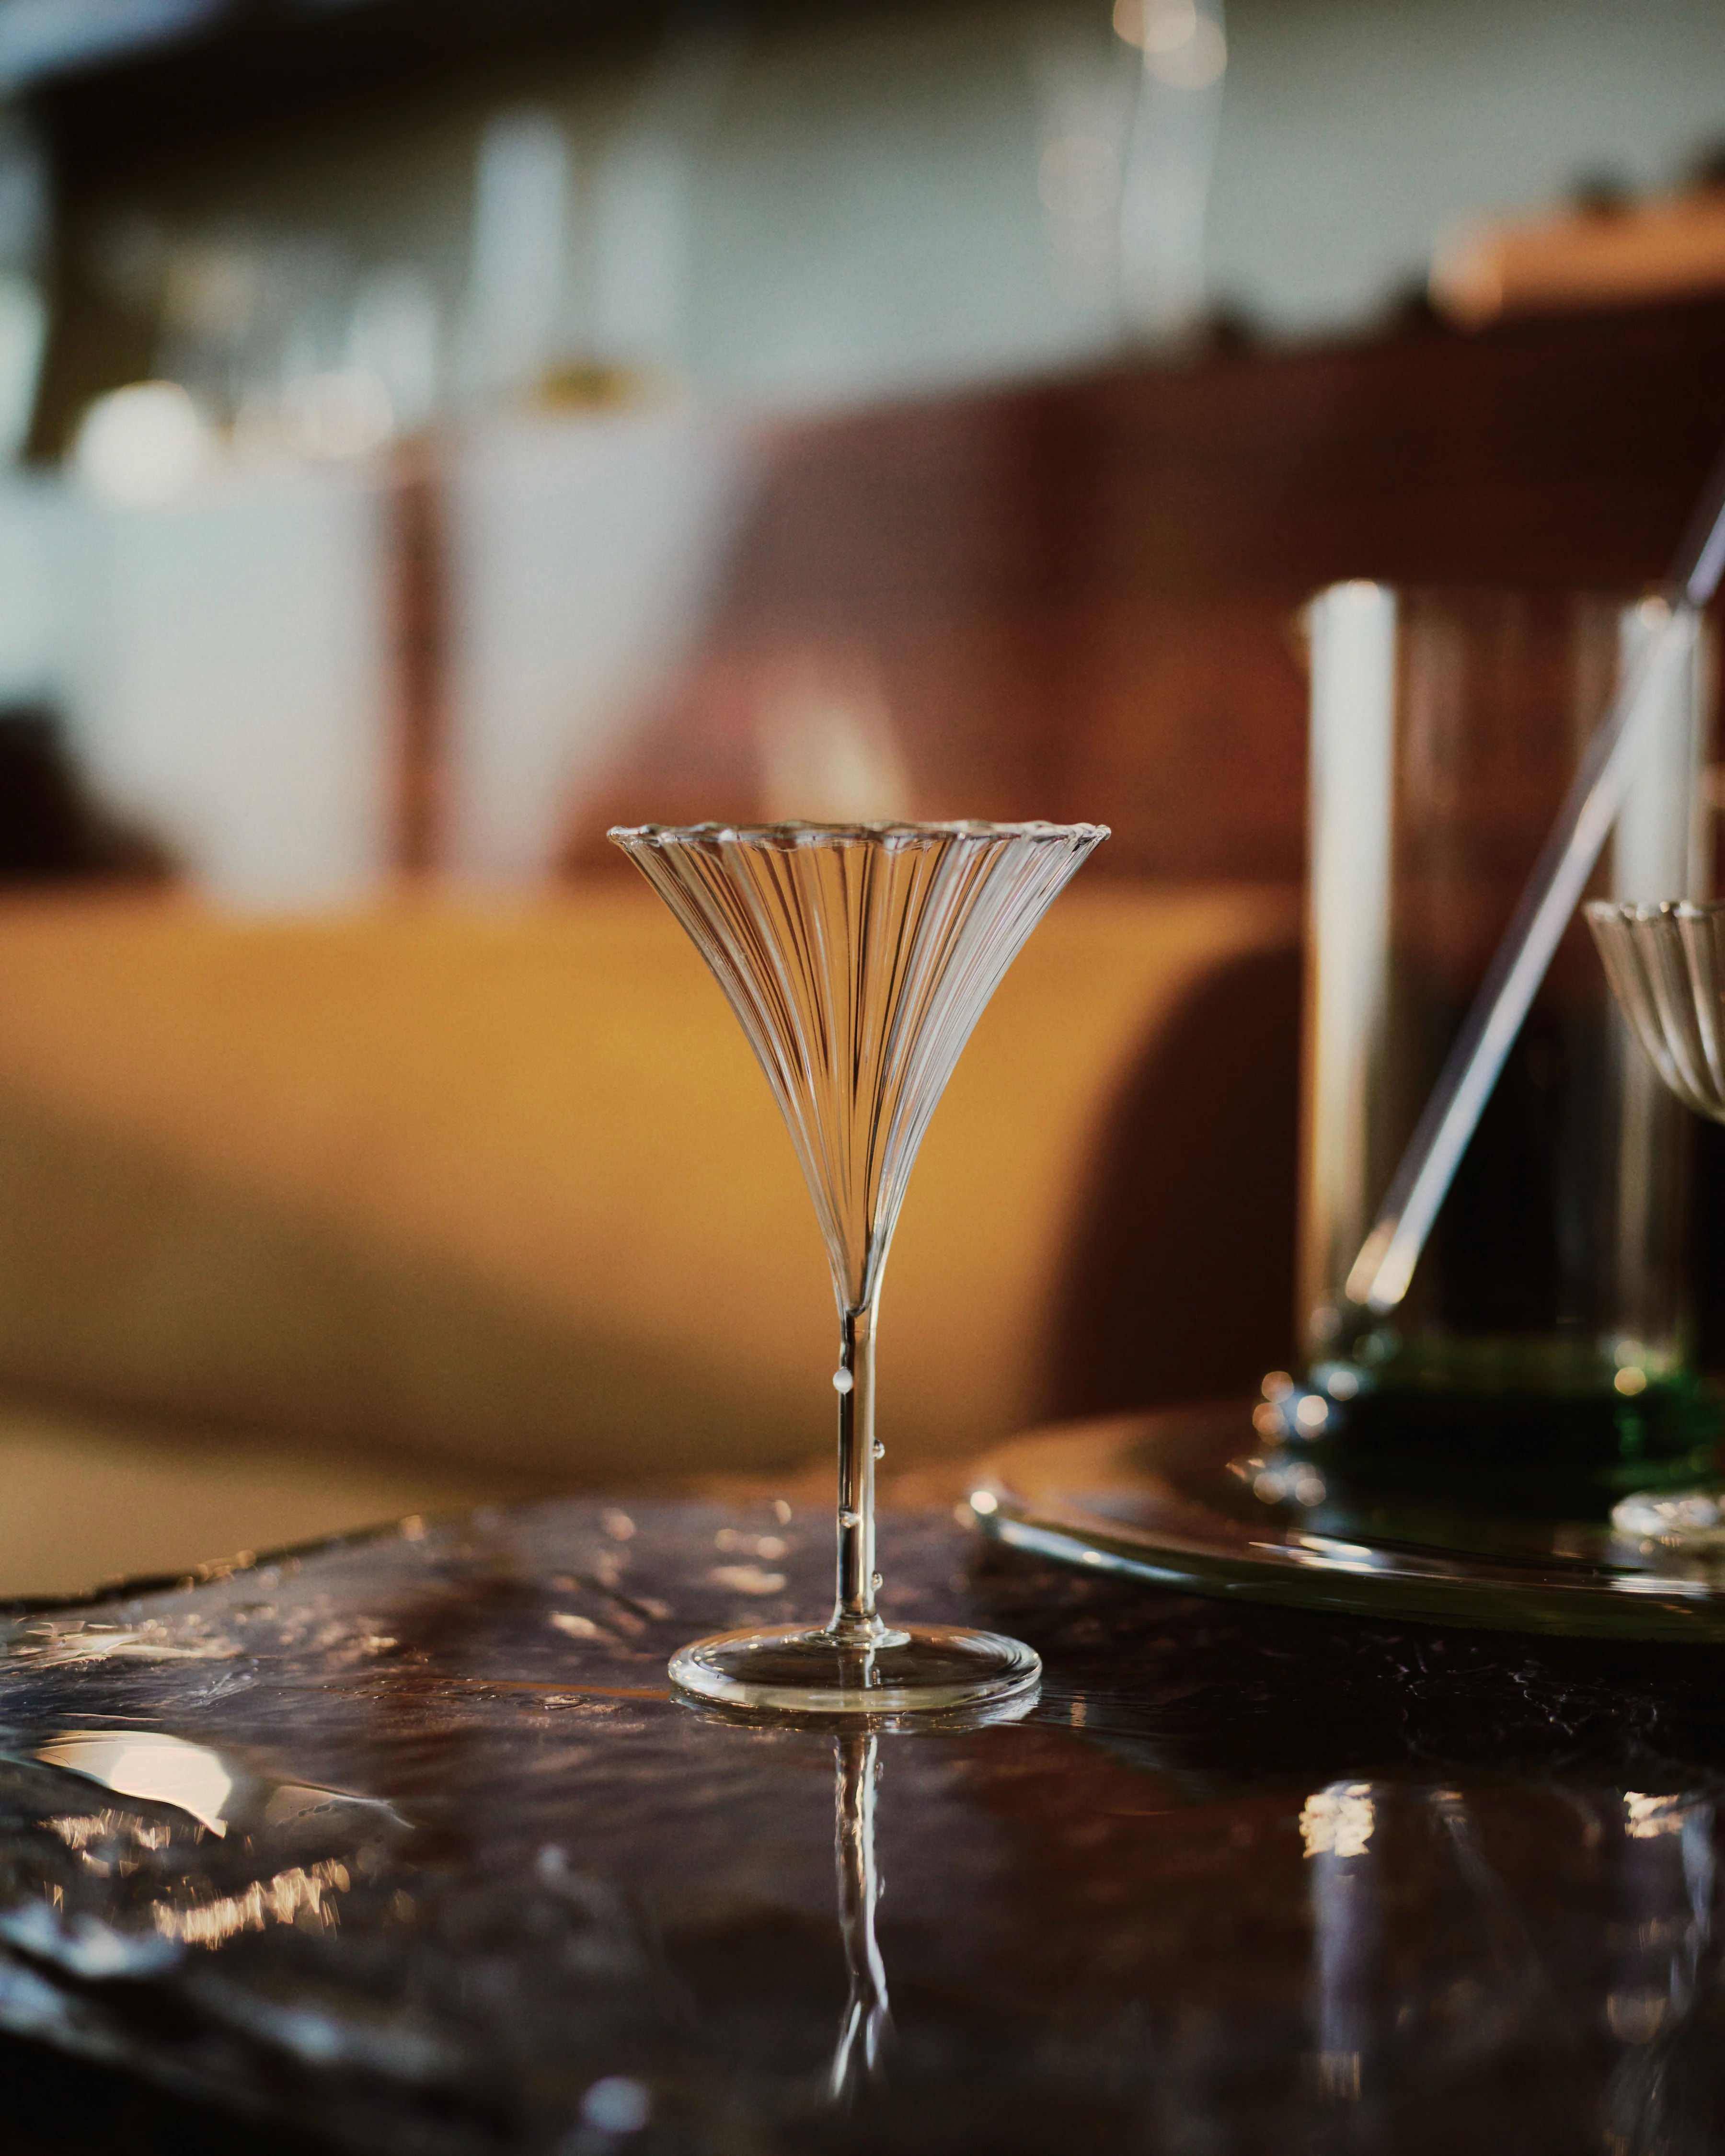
(800, 832)
(1636, 912)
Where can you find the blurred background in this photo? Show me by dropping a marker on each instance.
(432, 432)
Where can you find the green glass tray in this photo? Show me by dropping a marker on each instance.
(1170, 1497)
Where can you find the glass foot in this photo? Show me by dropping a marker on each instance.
(1691, 1520)
(797, 1670)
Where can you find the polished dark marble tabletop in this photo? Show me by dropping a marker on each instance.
(434, 1862)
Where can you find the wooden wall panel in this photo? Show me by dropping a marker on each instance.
(1077, 598)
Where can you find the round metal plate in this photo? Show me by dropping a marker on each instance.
(1169, 1497)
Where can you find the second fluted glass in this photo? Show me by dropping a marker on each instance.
(1667, 966)
(858, 958)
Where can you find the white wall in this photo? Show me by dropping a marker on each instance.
(37, 592)
(583, 553)
(1355, 133)
(852, 210)
(222, 664)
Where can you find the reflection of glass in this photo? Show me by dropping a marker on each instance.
(1381, 1972)
(858, 958)
(1550, 1302)
(868, 2014)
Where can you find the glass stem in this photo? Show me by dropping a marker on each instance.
(853, 1618)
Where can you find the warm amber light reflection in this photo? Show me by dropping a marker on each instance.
(162, 1769)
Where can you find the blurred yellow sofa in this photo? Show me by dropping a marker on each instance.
(308, 1221)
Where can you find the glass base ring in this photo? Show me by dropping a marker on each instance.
(797, 1670)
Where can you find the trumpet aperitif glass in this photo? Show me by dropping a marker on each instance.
(1667, 966)
(859, 958)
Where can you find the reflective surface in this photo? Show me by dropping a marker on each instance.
(1241, 1879)
(858, 958)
